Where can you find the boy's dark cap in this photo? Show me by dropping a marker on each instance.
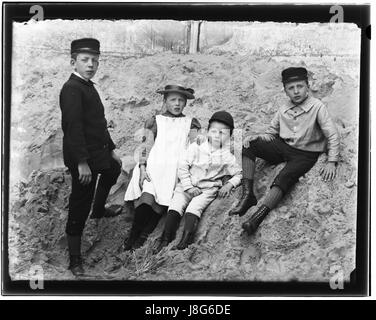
(223, 117)
(85, 45)
(187, 92)
(294, 74)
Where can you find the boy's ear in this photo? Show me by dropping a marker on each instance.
(72, 62)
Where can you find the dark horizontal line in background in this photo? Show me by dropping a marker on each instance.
(358, 14)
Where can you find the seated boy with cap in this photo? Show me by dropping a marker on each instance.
(200, 180)
(299, 132)
(87, 146)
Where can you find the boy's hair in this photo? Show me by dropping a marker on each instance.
(223, 123)
(74, 55)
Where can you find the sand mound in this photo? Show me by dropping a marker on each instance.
(310, 231)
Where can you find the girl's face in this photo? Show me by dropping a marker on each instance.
(175, 103)
(86, 64)
(218, 134)
(297, 91)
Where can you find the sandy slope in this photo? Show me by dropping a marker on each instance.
(310, 231)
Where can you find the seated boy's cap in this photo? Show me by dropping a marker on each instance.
(85, 45)
(294, 74)
(223, 117)
(187, 92)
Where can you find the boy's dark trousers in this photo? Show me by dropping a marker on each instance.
(82, 196)
(298, 162)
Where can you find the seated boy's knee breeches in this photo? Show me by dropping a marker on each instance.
(198, 204)
(250, 151)
(182, 202)
(291, 173)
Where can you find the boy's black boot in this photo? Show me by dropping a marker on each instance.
(251, 225)
(169, 232)
(191, 223)
(75, 261)
(247, 199)
(75, 265)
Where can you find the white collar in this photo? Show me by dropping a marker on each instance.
(78, 75)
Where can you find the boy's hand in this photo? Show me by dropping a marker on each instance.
(200, 138)
(116, 157)
(328, 172)
(84, 173)
(264, 137)
(143, 175)
(194, 192)
(225, 190)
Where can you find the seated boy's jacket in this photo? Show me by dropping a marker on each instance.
(307, 126)
(203, 167)
(84, 125)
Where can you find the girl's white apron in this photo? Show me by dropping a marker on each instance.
(162, 163)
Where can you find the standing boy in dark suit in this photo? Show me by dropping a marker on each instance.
(87, 146)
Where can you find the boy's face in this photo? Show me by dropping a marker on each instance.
(175, 103)
(297, 91)
(218, 134)
(86, 64)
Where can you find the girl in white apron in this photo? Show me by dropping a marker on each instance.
(155, 175)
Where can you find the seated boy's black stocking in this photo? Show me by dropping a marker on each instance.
(169, 232)
(190, 227)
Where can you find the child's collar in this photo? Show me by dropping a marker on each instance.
(169, 114)
(83, 80)
(306, 105)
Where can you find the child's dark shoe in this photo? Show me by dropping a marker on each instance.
(185, 241)
(75, 265)
(251, 225)
(246, 201)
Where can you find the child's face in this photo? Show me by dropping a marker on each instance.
(297, 91)
(86, 64)
(175, 103)
(218, 134)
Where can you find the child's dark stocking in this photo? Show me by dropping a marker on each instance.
(190, 227)
(139, 222)
(169, 232)
(74, 248)
(152, 222)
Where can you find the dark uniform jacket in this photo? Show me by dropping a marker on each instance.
(84, 125)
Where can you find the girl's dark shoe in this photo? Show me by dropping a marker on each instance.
(251, 225)
(246, 201)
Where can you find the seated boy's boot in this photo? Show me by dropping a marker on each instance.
(247, 199)
(75, 265)
(191, 223)
(251, 225)
(169, 232)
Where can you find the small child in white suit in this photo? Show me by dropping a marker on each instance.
(200, 174)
